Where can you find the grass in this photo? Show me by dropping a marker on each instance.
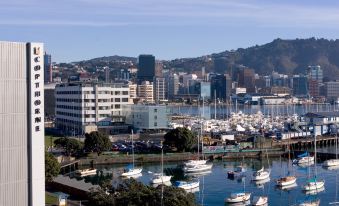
(50, 200)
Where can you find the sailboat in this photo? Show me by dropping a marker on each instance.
(132, 171)
(304, 158)
(288, 180)
(187, 185)
(260, 200)
(333, 162)
(261, 174)
(314, 183)
(160, 178)
(310, 203)
(239, 197)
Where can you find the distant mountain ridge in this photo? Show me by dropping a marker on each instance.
(283, 56)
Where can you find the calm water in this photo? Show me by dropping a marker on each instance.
(223, 110)
(215, 186)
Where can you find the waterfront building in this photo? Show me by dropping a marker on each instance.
(204, 90)
(158, 69)
(315, 73)
(48, 75)
(159, 89)
(186, 78)
(133, 88)
(146, 68)
(246, 79)
(331, 90)
(22, 171)
(82, 105)
(173, 86)
(147, 117)
(145, 91)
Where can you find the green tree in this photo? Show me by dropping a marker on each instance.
(52, 167)
(133, 193)
(71, 146)
(97, 142)
(181, 138)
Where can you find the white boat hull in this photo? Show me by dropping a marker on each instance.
(189, 186)
(198, 168)
(86, 172)
(260, 201)
(314, 186)
(283, 183)
(243, 198)
(132, 172)
(192, 163)
(331, 163)
(263, 176)
(161, 179)
(304, 160)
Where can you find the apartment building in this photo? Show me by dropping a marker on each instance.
(145, 91)
(81, 105)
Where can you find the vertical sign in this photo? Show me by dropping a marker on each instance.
(36, 123)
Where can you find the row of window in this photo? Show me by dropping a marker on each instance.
(68, 114)
(92, 100)
(93, 92)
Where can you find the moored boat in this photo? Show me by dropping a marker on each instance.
(261, 174)
(85, 172)
(285, 181)
(260, 200)
(187, 185)
(238, 197)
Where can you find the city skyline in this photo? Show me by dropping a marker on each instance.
(81, 29)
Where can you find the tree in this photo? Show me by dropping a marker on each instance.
(97, 142)
(71, 146)
(181, 138)
(133, 193)
(52, 167)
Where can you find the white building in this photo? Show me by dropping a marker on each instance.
(22, 170)
(133, 91)
(83, 104)
(145, 91)
(159, 89)
(147, 117)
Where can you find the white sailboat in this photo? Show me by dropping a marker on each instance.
(304, 159)
(239, 197)
(130, 172)
(160, 178)
(86, 172)
(261, 174)
(260, 200)
(314, 183)
(187, 185)
(288, 180)
(333, 162)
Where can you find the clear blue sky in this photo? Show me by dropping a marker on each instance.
(82, 29)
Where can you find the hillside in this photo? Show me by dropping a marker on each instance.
(283, 56)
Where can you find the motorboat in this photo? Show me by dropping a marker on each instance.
(187, 185)
(314, 184)
(285, 181)
(304, 158)
(331, 163)
(86, 172)
(261, 174)
(198, 168)
(238, 197)
(192, 163)
(260, 200)
(237, 173)
(131, 172)
(160, 178)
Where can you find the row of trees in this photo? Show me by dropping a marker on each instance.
(133, 193)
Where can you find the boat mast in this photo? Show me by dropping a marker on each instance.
(132, 148)
(162, 161)
(315, 151)
(215, 104)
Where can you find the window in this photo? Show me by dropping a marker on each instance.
(125, 92)
(117, 93)
(117, 106)
(155, 110)
(117, 99)
(155, 117)
(124, 99)
(155, 124)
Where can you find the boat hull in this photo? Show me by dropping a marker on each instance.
(285, 181)
(314, 186)
(198, 168)
(132, 172)
(243, 198)
(161, 179)
(331, 163)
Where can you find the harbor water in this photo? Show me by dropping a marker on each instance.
(215, 186)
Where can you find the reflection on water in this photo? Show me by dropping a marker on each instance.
(215, 186)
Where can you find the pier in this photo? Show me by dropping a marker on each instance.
(306, 142)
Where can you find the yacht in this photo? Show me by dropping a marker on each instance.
(187, 185)
(191, 163)
(331, 163)
(159, 178)
(260, 200)
(131, 172)
(261, 174)
(285, 181)
(238, 197)
(314, 184)
(304, 158)
(198, 168)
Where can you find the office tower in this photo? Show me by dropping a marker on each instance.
(220, 65)
(107, 70)
(133, 90)
(82, 104)
(300, 87)
(221, 86)
(331, 90)
(204, 90)
(22, 170)
(315, 78)
(145, 91)
(48, 68)
(173, 86)
(158, 69)
(246, 79)
(159, 89)
(146, 68)
(186, 79)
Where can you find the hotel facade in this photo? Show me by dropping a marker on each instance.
(22, 171)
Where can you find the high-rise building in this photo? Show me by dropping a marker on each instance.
(204, 90)
(315, 73)
(22, 171)
(159, 89)
(82, 104)
(48, 68)
(246, 79)
(107, 70)
(173, 86)
(158, 69)
(145, 91)
(300, 87)
(146, 68)
(331, 90)
(221, 86)
(133, 90)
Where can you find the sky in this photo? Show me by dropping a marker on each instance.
(75, 30)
